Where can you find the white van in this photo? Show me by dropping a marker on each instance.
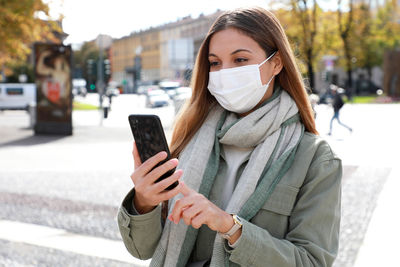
(17, 95)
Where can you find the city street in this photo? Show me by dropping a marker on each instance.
(59, 196)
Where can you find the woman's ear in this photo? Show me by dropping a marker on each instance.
(277, 63)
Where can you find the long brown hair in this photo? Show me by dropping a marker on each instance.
(263, 27)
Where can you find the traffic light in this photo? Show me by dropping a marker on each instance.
(91, 75)
(106, 70)
(137, 75)
(91, 68)
(137, 68)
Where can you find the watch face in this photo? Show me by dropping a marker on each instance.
(237, 220)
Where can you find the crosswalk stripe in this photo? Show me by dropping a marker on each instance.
(63, 240)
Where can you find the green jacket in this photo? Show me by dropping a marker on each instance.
(297, 226)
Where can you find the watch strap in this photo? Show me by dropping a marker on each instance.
(236, 226)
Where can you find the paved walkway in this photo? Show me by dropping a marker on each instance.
(54, 238)
(381, 242)
(369, 204)
(369, 198)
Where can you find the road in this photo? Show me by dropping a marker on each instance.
(59, 196)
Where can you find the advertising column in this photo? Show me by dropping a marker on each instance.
(54, 94)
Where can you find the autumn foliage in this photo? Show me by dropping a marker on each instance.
(22, 22)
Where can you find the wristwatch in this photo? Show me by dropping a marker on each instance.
(236, 226)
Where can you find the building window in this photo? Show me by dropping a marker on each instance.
(14, 91)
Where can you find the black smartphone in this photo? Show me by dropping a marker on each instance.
(150, 139)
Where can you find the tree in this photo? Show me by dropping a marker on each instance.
(20, 67)
(345, 23)
(377, 30)
(20, 26)
(311, 33)
(307, 15)
(299, 18)
(87, 51)
(387, 26)
(356, 34)
(86, 59)
(368, 54)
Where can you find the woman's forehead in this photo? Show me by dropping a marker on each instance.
(229, 40)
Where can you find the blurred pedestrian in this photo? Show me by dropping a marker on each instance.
(337, 104)
(257, 186)
(314, 100)
(106, 106)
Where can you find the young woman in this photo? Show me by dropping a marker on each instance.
(257, 186)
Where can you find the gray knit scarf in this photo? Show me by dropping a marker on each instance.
(274, 130)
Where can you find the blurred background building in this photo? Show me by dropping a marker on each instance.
(166, 52)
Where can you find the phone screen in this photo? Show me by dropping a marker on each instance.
(150, 139)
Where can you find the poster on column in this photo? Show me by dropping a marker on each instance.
(54, 89)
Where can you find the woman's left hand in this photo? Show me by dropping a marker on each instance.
(196, 210)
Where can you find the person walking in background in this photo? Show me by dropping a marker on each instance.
(257, 185)
(337, 104)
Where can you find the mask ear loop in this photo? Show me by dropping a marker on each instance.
(273, 54)
(267, 84)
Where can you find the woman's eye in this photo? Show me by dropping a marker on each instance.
(213, 63)
(241, 60)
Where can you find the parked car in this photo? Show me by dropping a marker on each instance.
(181, 95)
(79, 87)
(17, 95)
(366, 87)
(169, 87)
(157, 98)
(112, 91)
(144, 89)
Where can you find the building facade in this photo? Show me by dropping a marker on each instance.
(166, 52)
(180, 43)
(144, 45)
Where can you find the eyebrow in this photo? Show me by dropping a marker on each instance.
(234, 52)
(240, 50)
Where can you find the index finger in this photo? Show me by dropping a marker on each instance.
(185, 190)
(136, 157)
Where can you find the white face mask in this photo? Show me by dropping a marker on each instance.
(238, 89)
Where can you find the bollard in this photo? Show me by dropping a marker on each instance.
(32, 114)
(105, 112)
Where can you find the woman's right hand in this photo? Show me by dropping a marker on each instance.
(149, 194)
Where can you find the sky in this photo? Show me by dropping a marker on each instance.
(84, 20)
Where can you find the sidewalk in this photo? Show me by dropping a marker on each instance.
(380, 246)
